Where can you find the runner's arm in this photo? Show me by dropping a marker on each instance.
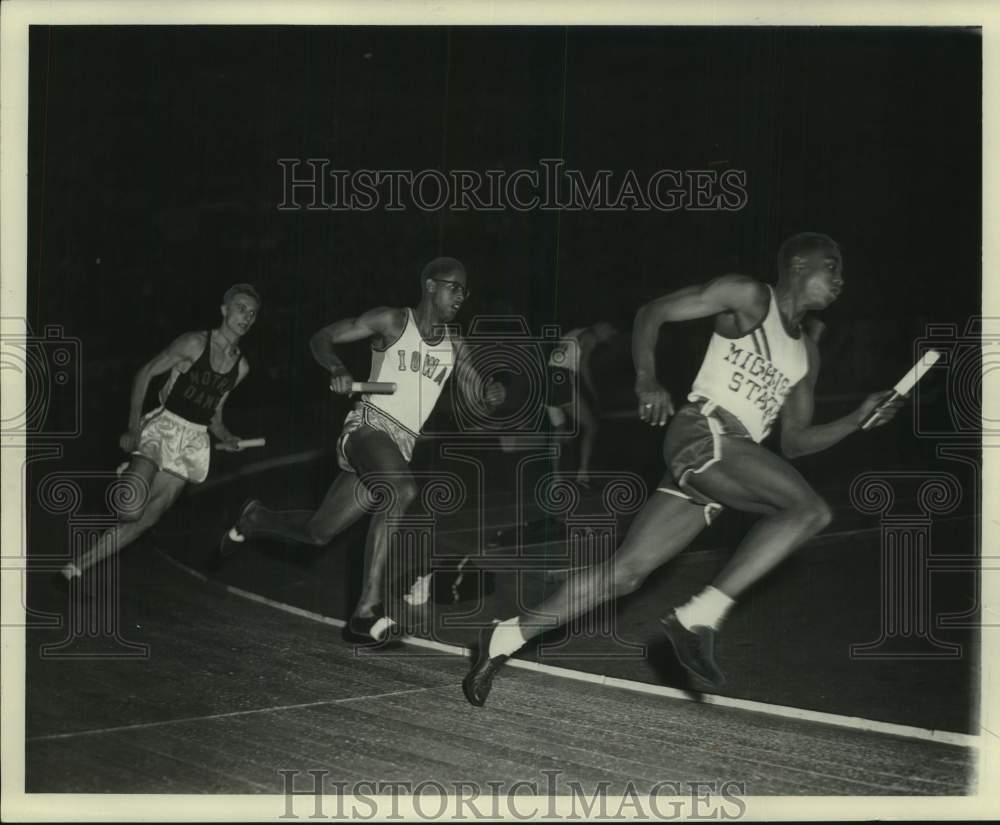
(730, 293)
(217, 426)
(384, 322)
(185, 348)
(799, 436)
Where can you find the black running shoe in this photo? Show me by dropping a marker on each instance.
(232, 540)
(695, 648)
(379, 629)
(477, 684)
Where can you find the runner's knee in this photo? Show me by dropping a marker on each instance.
(824, 515)
(130, 498)
(815, 513)
(392, 494)
(129, 515)
(149, 514)
(319, 534)
(627, 580)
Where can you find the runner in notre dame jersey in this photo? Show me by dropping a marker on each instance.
(170, 445)
(758, 364)
(414, 349)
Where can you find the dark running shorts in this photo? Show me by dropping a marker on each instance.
(695, 441)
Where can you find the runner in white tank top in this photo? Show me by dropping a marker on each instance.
(757, 364)
(414, 349)
(751, 376)
(419, 368)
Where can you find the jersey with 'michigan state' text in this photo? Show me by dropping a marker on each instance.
(751, 376)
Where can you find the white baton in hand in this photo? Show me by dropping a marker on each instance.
(243, 443)
(374, 387)
(905, 384)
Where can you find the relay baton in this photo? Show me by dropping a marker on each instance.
(243, 443)
(374, 387)
(906, 383)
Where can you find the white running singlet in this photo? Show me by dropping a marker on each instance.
(419, 370)
(751, 376)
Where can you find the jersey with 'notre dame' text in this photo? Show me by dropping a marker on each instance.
(194, 395)
(418, 368)
(751, 376)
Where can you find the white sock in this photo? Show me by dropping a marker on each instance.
(708, 609)
(70, 570)
(381, 627)
(507, 638)
(420, 590)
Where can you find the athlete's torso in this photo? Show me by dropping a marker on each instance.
(750, 376)
(195, 394)
(419, 369)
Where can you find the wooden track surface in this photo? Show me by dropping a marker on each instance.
(234, 691)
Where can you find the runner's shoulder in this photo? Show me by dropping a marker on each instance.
(387, 320)
(742, 292)
(190, 344)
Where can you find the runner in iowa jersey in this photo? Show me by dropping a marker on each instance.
(419, 367)
(758, 364)
(413, 349)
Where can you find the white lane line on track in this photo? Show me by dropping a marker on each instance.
(214, 716)
(851, 722)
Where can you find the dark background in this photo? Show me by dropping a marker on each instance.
(154, 185)
(154, 181)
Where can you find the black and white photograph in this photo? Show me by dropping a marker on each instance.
(497, 413)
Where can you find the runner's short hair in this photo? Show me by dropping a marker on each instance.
(441, 266)
(241, 289)
(802, 244)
